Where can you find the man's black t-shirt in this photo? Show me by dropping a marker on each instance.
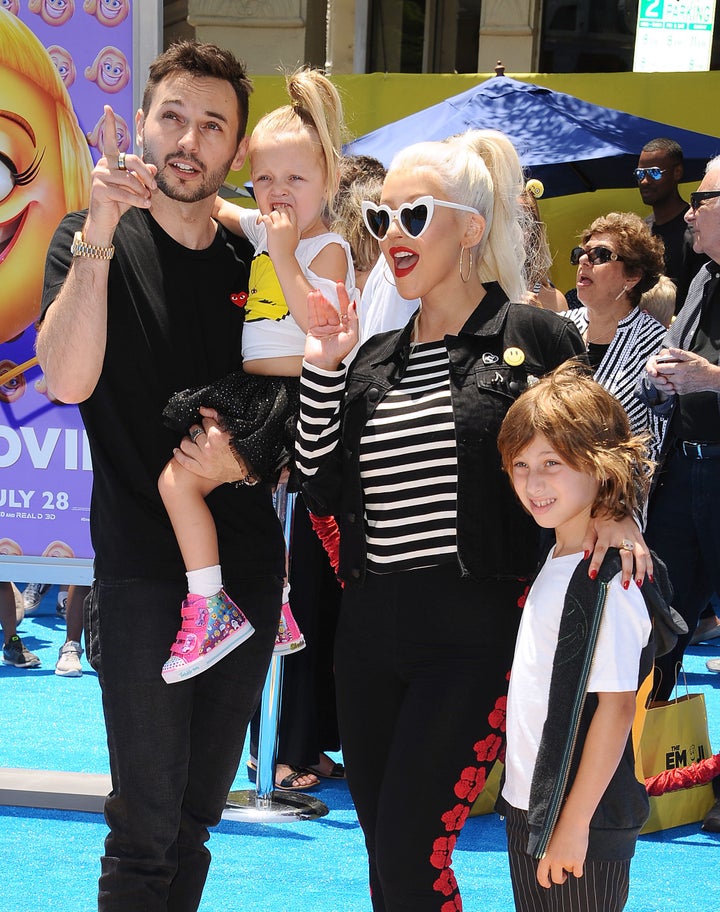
(171, 325)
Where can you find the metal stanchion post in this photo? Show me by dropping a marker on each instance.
(264, 803)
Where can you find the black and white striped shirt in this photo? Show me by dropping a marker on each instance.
(408, 459)
(638, 336)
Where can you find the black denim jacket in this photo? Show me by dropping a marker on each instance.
(495, 536)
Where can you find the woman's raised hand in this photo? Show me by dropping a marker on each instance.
(331, 334)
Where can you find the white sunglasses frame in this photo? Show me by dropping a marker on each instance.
(394, 214)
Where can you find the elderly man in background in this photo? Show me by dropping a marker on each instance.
(682, 383)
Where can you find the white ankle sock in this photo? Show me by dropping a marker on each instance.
(286, 593)
(206, 581)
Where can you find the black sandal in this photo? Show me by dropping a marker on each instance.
(288, 783)
(337, 770)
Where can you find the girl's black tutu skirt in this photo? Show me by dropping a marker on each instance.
(259, 413)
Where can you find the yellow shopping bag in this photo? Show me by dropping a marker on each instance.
(675, 734)
(485, 801)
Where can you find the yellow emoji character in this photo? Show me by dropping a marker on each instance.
(10, 548)
(96, 137)
(45, 167)
(59, 549)
(110, 70)
(63, 63)
(108, 12)
(13, 386)
(53, 12)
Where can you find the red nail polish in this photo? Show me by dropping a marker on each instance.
(651, 578)
(626, 584)
(593, 574)
(639, 583)
(586, 555)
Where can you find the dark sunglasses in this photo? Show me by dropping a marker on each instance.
(413, 218)
(596, 255)
(700, 195)
(654, 173)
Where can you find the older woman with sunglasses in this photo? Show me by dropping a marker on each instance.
(434, 549)
(618, 260)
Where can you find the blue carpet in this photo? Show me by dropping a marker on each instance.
(49, 859)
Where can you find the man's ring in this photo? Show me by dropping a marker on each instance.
(121, 162)
(627, 545)
(196, 432)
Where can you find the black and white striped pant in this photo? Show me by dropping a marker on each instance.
(602, 888)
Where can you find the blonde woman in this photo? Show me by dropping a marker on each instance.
(434, 550)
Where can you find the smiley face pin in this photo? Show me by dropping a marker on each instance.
(514, 357)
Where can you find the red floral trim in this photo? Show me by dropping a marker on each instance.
(327, 531)
(471, 783)
(446, 882)
(442, 852)
(467, 788)
(497, 716)
(488, 749)
(455, 818)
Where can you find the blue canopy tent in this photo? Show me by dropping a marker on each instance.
(572, 146)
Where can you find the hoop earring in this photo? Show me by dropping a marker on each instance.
(470, 263)
(384, 275)
(416, 327)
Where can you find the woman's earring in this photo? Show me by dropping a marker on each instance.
(470, 263)
(385, 274)
(624, 291)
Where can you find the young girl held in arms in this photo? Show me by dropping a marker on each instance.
(573, 805)
(294, 152)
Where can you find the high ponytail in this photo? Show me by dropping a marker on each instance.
(480, 168)
(315, 106)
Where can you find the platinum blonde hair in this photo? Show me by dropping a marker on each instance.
(22, 52)
(315, 109)
(481, 168)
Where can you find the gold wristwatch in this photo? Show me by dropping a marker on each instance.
(79, 248)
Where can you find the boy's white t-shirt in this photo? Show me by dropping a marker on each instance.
(624, 631)
(274, 332)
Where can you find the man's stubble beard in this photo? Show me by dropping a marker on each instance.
(209, 185)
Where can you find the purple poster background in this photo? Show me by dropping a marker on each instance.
(45, 471)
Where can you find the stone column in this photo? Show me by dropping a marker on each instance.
(509, 31)
(175, 24)
(341, 36)
(266, 34)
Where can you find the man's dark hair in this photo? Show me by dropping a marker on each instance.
(201, 59)
(669, 147)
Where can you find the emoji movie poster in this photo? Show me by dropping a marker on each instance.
(60, 62)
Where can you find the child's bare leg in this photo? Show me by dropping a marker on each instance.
(183, 494)
(212, 624)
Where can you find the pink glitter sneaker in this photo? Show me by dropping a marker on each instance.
(289, 638)
(211, 628)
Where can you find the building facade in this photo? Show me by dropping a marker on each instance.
(417, 36)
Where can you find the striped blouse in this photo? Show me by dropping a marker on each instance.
(408, 459)
(638, 336)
